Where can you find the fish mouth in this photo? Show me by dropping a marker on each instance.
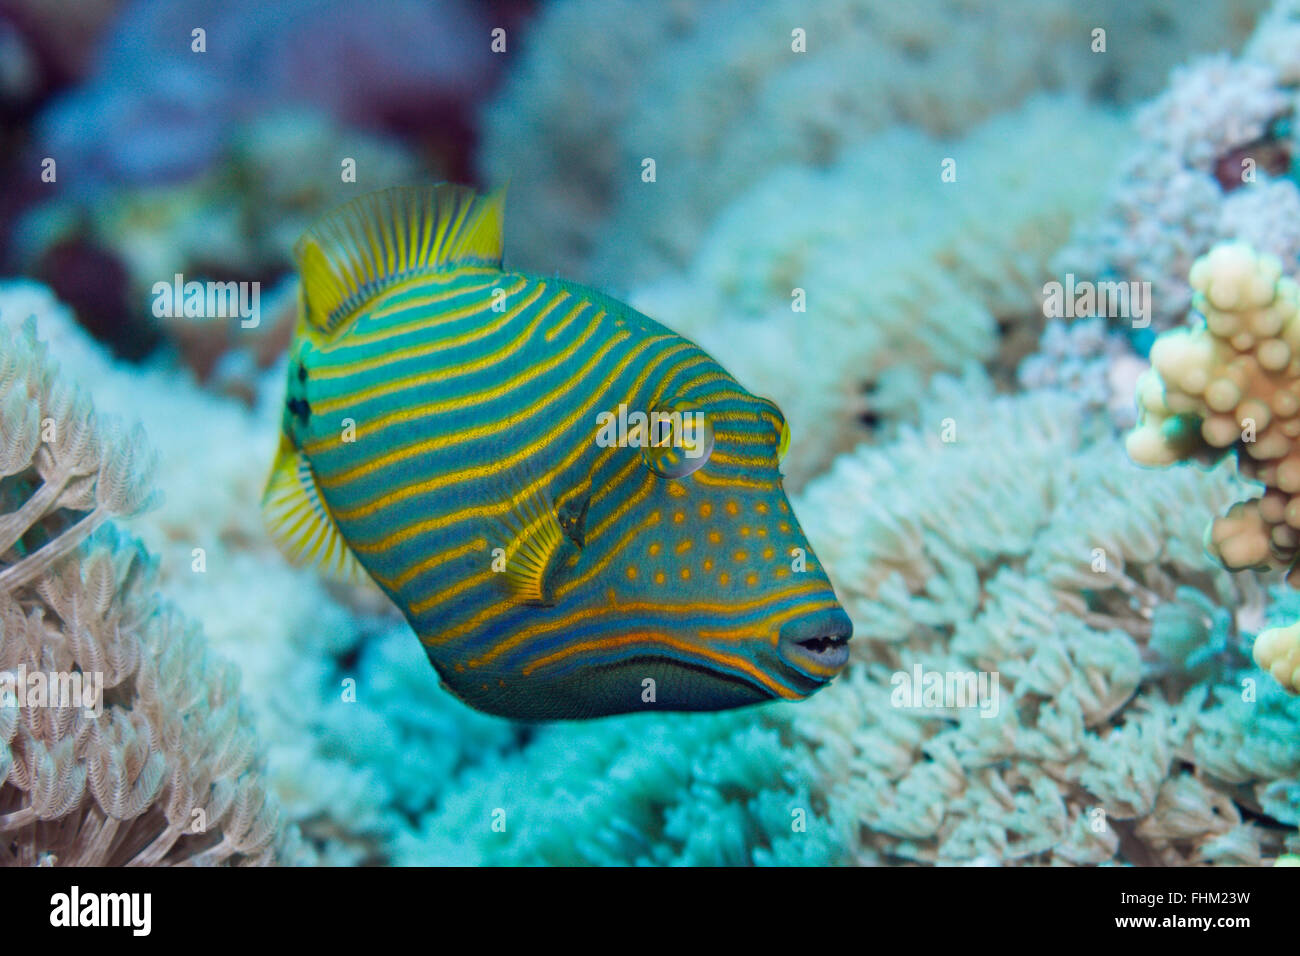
(817, 647)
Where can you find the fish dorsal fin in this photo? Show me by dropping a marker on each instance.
(370, 244)
(298, 521)
(537, 548)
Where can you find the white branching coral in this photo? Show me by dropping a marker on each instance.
(1231, 385)
(1022, 550)
(121, 739)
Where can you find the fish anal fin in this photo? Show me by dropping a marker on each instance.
(357, 251)
(299, 523)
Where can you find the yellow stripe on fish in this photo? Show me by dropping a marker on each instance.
(579, 512)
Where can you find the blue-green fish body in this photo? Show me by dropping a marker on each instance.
(579, 512)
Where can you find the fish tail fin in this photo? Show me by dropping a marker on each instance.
(299, 522)
(370, 244)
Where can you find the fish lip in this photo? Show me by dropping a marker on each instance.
(817, 647)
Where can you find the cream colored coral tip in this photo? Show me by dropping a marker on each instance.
(1233, 270)
(1220, 430)
(1175, 353)
(1146, 446)
(1223, 324)
(1194, 379)
(1267, 323)
(1273, 354)
(1222, 395)
(1275, 640)
(1245, 549)
(1271, 443)
(1277, 650)
(1198, 277)
(1260, 287)
(1272, 507)
(1288, 474)
(1151, 392)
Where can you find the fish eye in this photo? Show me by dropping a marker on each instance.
(784, 445)
(679, 440)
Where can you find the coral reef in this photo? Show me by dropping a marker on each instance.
(1080, 581)
(727, 789)
(158, 109)
(828, 256)
(1213, 161)
(1233, 383)
(1277, 650)
(720, 98)
(1128, 727)
(359, 738)
(903, 274)
(154, 760)
(239, 220)
(1089, 361)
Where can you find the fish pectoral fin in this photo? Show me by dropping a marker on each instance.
(355, 252)
(298, 521)
(573, 521)
(538, 551)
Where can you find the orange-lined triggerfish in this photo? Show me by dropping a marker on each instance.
(579, 512)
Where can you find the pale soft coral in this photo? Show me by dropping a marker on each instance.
(160, 765)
